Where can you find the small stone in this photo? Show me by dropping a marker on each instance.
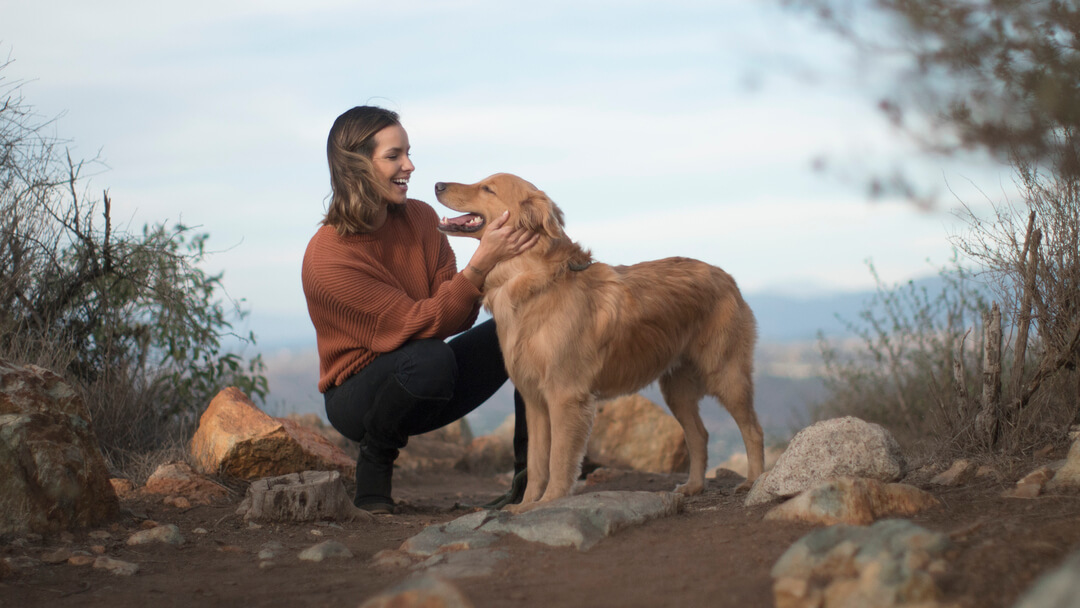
(116, 566)
(58, 556)
(97, 549)
(99, 534)
(270, 550)
(254, 526)
(181, 503)
(168, 534)
(149, 524)
(122, 486)
(200, 531)
(391, 558)
(67, 537)
(22, 562)
(266, 565)
(325, 550)
(81, 560)
(316, 532)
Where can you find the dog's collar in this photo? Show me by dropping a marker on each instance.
(575, 267)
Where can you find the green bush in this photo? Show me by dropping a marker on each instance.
(130, 319)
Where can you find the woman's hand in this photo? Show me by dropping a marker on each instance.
(500, 242)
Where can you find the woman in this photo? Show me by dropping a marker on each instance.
(383, 292)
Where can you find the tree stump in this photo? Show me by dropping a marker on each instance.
(306, 496)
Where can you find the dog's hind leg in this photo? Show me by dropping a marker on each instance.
(734, 387)
(683, 389)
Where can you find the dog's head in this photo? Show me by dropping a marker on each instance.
(487, 199)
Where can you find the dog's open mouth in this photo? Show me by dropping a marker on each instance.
(469, 222)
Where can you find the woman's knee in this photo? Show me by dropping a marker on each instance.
(430, 369)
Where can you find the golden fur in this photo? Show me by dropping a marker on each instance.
(573, 332)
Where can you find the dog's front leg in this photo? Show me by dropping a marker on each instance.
(571, 423)
(536, 417)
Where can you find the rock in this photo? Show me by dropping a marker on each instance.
(575, 521)
(122, 487)
(491, 454)
(890, 563)
(841, 447)
(737, 462)
(853, 501)
(57, 556)
(634, 433)
(961, 472)
(330, 549)
(463, 564)
(116, 566)
(306, 496)
(1059, 588)
(237, 439)
(420, 592)
(1032, 484)
(391, 559)
(270, 550)
(81, 559)
(1068, 476)
(429, 453)
(52, 474)
(179, 479)
(168, 534)
(458, 433)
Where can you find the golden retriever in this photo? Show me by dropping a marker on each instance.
(573, 331)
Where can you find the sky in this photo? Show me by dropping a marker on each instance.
(681, 127)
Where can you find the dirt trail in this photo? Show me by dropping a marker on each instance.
(716, 553)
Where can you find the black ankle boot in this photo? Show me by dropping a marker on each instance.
(374, 470)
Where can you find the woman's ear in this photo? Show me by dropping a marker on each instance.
(538, 213)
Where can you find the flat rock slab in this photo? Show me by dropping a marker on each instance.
(576, 521)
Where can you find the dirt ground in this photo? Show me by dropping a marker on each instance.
(716, 553)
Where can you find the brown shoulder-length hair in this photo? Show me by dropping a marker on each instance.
(357, 195)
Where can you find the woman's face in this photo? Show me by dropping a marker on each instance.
(391, 160)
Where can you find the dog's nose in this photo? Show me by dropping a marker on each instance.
(440, 186)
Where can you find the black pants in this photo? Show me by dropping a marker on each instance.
(422, 386)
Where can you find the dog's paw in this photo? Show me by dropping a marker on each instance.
(518, 509)
(689, 489)
(744, 487)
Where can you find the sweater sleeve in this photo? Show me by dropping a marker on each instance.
(447, 269)
(382, 317)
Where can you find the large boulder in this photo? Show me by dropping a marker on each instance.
(237, 439)
(52, 473)
(634, 433)
(840, 447)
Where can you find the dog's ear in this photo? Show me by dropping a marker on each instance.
(540, 214)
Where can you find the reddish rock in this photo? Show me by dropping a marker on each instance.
(634, 433)
(52, 473)
(175, 479)
(237, 439)
(122, 487)
(856, 501)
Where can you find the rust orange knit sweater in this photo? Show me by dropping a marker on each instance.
(370, 293)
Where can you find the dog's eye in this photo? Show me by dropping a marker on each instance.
(488, 189)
